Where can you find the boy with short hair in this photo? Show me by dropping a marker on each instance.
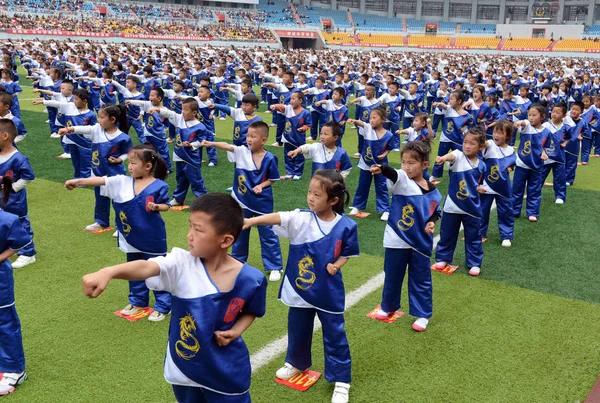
(186, 153)
(130, 92)
(5, 106)
(210, 290)
(254, 172)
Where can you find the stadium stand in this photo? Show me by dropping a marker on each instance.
(468, 28)
(337, 38)
(381, 39)
(277, 12)
(478, 42)
(370, 22)
(312, 16)
(577, 45)
(527, 43)
(430, 40)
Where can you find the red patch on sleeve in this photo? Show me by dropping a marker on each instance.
(192, 137)
(9, 173)
(338, 249)
(338, 166)
(301, 122)
(113, 150)
(149, 199)
(235, 306)
(432, 208)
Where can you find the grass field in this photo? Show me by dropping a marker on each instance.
(526, 330)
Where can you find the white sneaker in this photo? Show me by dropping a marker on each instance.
(309, 138)
(474, 271)
(211, 164)
(48, 121)
(174, 203)
(229, 190)
(356, 155)
(340, 393)
(532, 218)
(296, 177)
(272, 125)
(287, 371)
(507, 243)
(10, 381)
(221, 118)
(116, 234)
(94, 227)
(19, 138)
(354, 211)
(432, 179)
(384, 216)
(396, 150)
(23, 261)
(131, 309)
(275, 144)
(64, 156)
(420, 324)
(262, 102)
(156, 316)
(288, 177)
(559, 201)
(55, 135)
(568, 184)
(441, 265)
(275, 275)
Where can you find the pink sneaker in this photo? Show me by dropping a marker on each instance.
(440, 265)
(420, 324)
(381, 315)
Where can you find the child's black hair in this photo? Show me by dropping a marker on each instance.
(134, 78)
(82, 94)
(479, 133)
(336, 130)
(333, 184)
(543, 111)
(6, 98)
(192, 103)
(300, 95)
(577, 103)
(505, 126)
(562, 106)
(250, 99)
(418, 149)
(119, 112)
(226, 214)
(261, 126)
(159, 92)
(341, 92)
(148, 154)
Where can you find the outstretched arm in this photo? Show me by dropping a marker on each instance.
(95, 283)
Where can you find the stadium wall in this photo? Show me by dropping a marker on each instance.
(526, 30)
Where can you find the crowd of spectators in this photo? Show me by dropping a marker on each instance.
(224, 31)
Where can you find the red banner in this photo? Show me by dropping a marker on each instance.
(592, 51)
(375, 45)
(168, 37)
(526, 49)
(348, 44)
(443, 47)
(58, 33)
(295, 34)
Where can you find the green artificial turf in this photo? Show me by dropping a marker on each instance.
(526, 330)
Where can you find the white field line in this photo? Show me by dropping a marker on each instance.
(272, 350)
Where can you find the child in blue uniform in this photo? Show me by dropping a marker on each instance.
(530, 163)
(499, 158)
(337, 111)
(13, 88)
(462, 204)
(577, 129)
(297, 123)
(109, 150)
(154, 124)
(12, 238)
(322, 240)
(76, 113)
(186, 153)
(137, 200)
(326, 154)
(130, 92)
(255, 172)
(16, 166)
(242, 117)
(553, 147)
(215, 299)
(408, 236)
(456, 121)
(5, 105)
(378, 142)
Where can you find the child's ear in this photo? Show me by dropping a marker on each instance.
(333, 201)
(227, 241)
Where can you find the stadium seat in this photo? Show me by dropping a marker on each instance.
(477, 42)
(527, 43)
(576, 45)
(381, 39)
(429, 40)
